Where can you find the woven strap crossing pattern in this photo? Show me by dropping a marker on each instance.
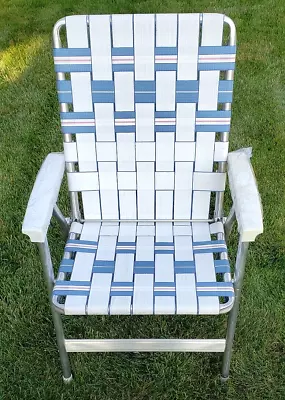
(145, 95)
(161, 268)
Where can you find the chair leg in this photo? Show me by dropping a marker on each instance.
(66, 370)
(232, 319)
(49, 275)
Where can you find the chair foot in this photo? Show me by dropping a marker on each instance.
(67, 380)
(224, 379)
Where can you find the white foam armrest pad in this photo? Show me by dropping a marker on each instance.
(245, 195)
(43, 197)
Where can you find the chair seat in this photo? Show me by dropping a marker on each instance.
(143, 268)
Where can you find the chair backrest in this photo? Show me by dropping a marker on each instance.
(145, 100)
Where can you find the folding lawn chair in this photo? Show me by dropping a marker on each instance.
(145, 106)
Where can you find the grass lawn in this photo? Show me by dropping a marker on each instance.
(29, 129)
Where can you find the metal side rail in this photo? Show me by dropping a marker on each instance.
(145, 345)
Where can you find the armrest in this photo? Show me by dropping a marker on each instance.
(245, 195)
(43, 197)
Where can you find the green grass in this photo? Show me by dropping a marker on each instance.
(29, 129)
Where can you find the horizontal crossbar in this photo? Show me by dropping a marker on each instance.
(145, 345)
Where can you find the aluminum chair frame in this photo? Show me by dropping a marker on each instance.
(149, 345)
